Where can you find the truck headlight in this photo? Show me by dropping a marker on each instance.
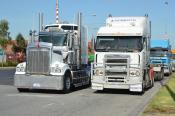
(55, 70)
(134, 73)
(98, 72)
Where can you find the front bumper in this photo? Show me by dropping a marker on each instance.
(39, 82)
(133, 85)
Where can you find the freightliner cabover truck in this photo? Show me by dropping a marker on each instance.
(58, 61)
(122, 55)
(160, 56)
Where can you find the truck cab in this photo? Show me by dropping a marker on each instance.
(160, 54)
(58, 61)
(122, 55)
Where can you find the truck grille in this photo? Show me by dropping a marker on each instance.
(38, 61)
(116, 68)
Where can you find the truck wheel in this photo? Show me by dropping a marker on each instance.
(159, 76)
(162, 74)
(143, 89)
(22, 89)
(89, 81)
(67, 83)
(152, 82)
(156, 76)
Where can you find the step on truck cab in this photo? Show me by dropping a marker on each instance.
(160, 55)
(122, 55)
(58, 61)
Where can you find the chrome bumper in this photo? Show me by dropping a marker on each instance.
(38, 82)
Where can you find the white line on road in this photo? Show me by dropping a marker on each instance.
(29, 95)
(48, 105)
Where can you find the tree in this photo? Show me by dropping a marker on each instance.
(4, 26)
(19, 48)
(3, 43)
(21, 45)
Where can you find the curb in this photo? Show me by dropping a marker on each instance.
(163, 82)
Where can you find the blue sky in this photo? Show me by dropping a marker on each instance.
(22, 15)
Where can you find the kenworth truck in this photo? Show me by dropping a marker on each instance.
(122, 55)
(58, 61)
(160, 54)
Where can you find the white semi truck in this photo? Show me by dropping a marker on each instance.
(58, 61)
(122, 55)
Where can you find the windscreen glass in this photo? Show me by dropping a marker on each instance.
(55, 39)
(119, 44)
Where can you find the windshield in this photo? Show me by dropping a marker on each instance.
(119, 44)
(158, 53)
(55, 39)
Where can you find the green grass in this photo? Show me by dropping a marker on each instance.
(163, 103)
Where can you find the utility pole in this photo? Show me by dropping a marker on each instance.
(166, 17)
(57, 12)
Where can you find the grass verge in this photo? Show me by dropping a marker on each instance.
(163, 103)
(8, 64)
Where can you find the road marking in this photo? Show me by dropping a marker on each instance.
(29, 95)
(48, 105)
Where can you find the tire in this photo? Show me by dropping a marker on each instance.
(159, 76)
(143, 89)
(152, 83)
(89, 82)
(156, 76)
(67, 83)
(22, 89)
(162, 74)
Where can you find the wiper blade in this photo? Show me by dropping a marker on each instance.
(102, 50)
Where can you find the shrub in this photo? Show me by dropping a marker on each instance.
(8, 64)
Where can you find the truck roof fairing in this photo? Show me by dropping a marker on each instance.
(121, 31)
(125, 26)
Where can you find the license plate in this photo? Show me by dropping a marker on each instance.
(158, 69)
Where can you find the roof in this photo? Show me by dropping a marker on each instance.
(61, 24)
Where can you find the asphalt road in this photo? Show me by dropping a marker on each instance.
(81, 102)
(6, 76)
